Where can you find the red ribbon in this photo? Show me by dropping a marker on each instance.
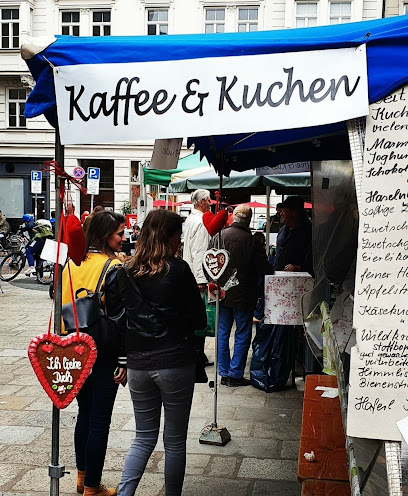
(218, 198)
(53, 165)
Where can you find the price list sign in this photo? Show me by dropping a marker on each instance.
(378, 394)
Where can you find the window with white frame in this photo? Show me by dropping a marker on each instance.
(101, 23)
(247, 19)
(214, 20)
(157, 21)
(16, 106)
(340, 12)
(405, 12)
(10, 28)
(70, 23)
(306, 14)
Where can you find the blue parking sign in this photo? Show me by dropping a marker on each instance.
(93, 173)
(36, 175)
(36, 182)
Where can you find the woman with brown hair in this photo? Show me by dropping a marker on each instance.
(96, 398)
(160, 306)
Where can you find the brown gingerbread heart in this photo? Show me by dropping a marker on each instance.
(62, 364)
(215, 262)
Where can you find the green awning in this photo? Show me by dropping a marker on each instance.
(163, 177)
(246, 179)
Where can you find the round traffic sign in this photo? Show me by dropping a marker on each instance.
(78, 173)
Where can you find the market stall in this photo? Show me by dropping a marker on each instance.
(285, 95)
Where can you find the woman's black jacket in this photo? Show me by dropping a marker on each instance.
(160, 312)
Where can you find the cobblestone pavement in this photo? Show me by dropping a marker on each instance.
(260, 460)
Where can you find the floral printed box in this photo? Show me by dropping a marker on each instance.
(283, 295)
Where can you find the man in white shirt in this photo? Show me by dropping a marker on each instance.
(196, 239)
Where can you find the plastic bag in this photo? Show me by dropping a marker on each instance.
(270, 364)
(210, 309)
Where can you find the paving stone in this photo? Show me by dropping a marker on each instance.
(297, 416)
(255, 468)
(29, 455)
(8, 472)
(195, 465)
(24, 380)
(120, 440)
(277, 488)
(19, 434)
(8, 390)
(206, 486)
(14, 402)
(66, 438)
(150, 485)
(12, 417)
(263, 448)
(282, 430)
(267, 415)
(44, 419)
(243, 401)
(12, 353)
(224, 466)
(9, 359)
(287, 403)
(290, 449)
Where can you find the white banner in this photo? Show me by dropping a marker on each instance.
(223, 95)
(289, 168)
(378, 394)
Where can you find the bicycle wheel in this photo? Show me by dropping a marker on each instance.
(11, 265)
(45, 272)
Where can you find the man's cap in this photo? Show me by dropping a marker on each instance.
(243, 212)
(294, 202)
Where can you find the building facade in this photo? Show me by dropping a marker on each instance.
(26, 144)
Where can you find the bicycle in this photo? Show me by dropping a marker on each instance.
(14, 262)
(9, 242)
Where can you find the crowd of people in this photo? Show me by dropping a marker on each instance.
(155, 311)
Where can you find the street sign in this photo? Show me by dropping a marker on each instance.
(94, 175)
(78, 173)
(36, 182)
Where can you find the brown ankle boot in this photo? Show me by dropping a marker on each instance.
(80, 481)
(100, 490)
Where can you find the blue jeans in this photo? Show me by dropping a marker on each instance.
(95, 405)
(33, 248)
(235, 366)
(149, 390)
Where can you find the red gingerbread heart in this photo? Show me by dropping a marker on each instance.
(214, 223)
(62, 364)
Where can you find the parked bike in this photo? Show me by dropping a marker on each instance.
(15, 260)
(10, 242)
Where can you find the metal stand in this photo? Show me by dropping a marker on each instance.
(55, 470)
(213, 433)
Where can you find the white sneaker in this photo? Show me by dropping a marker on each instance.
(29, 271)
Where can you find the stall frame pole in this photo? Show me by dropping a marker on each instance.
(55, 470)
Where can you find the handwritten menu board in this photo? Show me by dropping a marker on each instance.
(378, 395)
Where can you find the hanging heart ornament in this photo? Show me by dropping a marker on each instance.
(215, 262)
(62, 364)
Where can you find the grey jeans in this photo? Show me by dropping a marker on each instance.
(149, 390)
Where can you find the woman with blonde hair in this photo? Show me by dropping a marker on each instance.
(160, 307)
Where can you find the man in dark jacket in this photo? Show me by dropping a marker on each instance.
(293, 244)
(249, 260)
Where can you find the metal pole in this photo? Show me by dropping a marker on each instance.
(268, 218)
(55, 470)
(167, 197)
(92, 202)
(217, 318)
(35, 207)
